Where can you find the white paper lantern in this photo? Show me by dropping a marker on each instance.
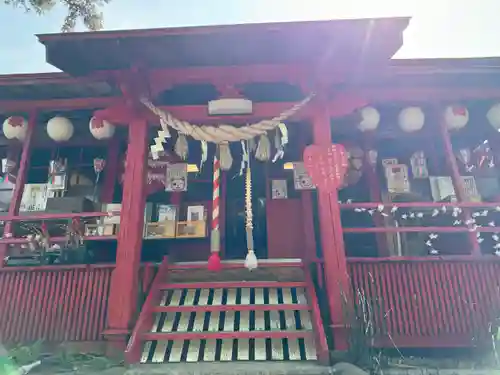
(411, 119)
(493, 116)
(101, 129)
(456, 117)
(370, 119)
(60, 129)
(15, 127)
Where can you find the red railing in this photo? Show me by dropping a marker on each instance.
(53, 303)
(57, 303)
(428, 302)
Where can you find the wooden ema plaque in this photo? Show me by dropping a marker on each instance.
(327, 166)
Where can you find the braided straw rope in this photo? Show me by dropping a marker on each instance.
(223, 133)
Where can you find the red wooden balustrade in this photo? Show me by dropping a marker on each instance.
(134, 346)
(53, 303)
(7, 239)
(56, 303)
(429, 303)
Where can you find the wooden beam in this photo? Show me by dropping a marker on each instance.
(8, 106)
(351, 95)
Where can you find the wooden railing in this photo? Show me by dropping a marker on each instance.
(428, 302)
(53, 303)
(58, 303)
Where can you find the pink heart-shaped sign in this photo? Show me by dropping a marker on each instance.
(326, 165)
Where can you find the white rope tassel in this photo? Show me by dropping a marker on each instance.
(250, 260)
(204, 153)
(263, 152)
(281, 141)
(181, 147)
(226, 160)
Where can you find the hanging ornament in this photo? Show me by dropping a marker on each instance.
(101, 129)
(263, 152)
(57, 174)
(214, 263)
(181, 147)
(493, 116)
(464, 156)
(484, 155)
(281, 140)
(15, 127)
(157, 149)
(411, 119)
(372, 156)
(204, 153)
(250, 260)
(99, 165)
(60, 129)
(226, 160)
(8, 167)
(456, 117)
(419, 165)
(370, 119)
(430, 244)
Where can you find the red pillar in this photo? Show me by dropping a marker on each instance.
(458, 184)
(21, 177)
(332, 241)
(122, 304)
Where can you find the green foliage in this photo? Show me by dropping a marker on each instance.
(85, 10)
(26, 354)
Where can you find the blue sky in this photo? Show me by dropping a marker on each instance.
(439, 28)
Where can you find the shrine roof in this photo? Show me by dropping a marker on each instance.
(249, 44)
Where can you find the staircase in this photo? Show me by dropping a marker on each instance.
(193, 315)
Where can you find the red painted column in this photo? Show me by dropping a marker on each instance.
(332, 241)
(456, 178)
(122, 304)
(22, 175)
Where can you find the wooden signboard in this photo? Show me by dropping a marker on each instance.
(327, 165)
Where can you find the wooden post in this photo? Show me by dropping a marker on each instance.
(22, 175)
(456, 178)
(122, 303)
(332, 241)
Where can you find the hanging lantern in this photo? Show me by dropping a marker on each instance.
(493, 116)
(411, 119)
(370, 119)
(101, 129)
(456, 117)
(15, 127)
(60, 129)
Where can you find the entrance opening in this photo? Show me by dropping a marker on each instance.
(235, 243)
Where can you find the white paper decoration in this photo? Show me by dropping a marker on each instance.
(15, 127)
(101, 129)
(411, 119)
(493, 116)
(456, 117)
(60, 129)
(370, 119)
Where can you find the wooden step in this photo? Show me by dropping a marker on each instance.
(258, 320)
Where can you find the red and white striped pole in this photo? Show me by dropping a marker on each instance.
(214, 263)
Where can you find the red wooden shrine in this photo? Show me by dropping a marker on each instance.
(425, 267)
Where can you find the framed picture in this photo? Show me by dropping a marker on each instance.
(279, 189)
(167, 212)
(196, 213)
(176, 177)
